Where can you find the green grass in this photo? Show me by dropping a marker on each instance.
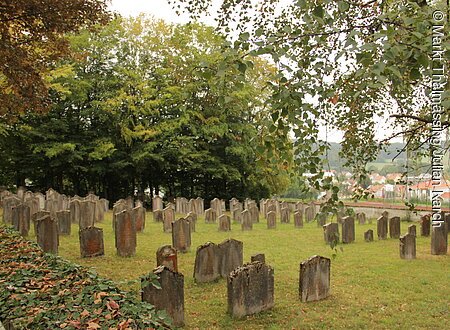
(371, 287)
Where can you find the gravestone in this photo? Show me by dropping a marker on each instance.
(166, 255)
(382, 226)
(47, 234)
(368, 235)
(224, 223)
(200, 206)
(271, 220)
(138, 214)
(309, 214)
(231, 256)
(210, 215)
(237, 212)
(285, 215)
(36, 216)
(33, 204)
(99, 211)
(271, 208)
(168, 218)
(250, 289)
(192, 218)
(439, 239)
(158, 216)
(91, 242)
(314, 282)
(216, 205)
(74, 207)
(425, 225)
(246, 223)
(125, 234)
(298, 219)
(87, 214)
(157, 203)
(21, 219)
(331, 233)
(206, 268)
(321, 219)
(254, 213)
(260, 257)
(348, 229)
(412, 230)
(361, 218)
(105, 204)
(8, 203)
(181, 235)
(408, 246)
(169, 296)
(52, 206)
(394, 227)
(64, 222)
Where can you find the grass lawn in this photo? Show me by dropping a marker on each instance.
(371, 287)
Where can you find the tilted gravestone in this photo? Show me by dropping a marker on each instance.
(368, 235)
(74, 207)
(158, 215)
(382, 226)
(192, 218)
(412, 230)
(125, 234)
(91, 242)
(271, 220)
(64, 222)
(394, 227)
(298, 219)
(138, 214)
(439, 239)
(224, 223)
(87, 214)
(231, 256)
(246, 221)
(170, 294)
(47, 234)
(348, 229)
(181, 235)
(168, 218)
(258, 257)
(210, 215)
(314, 281)
(250, 289)
(331, 233)
(285, 215)
(167, 256)
(206, 268)
(425, 225)
(408, 246)
(361, 218)
(21, 216)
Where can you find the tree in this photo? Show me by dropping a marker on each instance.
(32, 40)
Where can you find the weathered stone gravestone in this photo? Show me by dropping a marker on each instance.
(348, 230)
(105, 204)
(250, 289)
(36, 216)
(8, 203)
(368, 235)
(298, 219)
(314, 282)
(412, 230)
(254, 213)
(224, 223)
(260, 257)
(237, 213)
(74, 207)
(331, 233)
(425, 225)
(206, 268)
(138, 214)
(33, 204)
(125, 234)
(361, 218)
(167, 256)
(99, 211)
(382, 226)
(210, 216)
(21, 216)
(231, 256)
(321, 219)
(199, 206)
(192, 218)
(87, 214)
(181, 235)
(168, 218)
(158, 215)
(271, 220)
(394, 227)
(170, 295)
(91, 242)
(157, 203)
(309, 214)
(47, 234)
(64, 222)
(285, 215)
(271, 208)
(408, 246)
(52, 206)
(439, 239)
(216, 205)
(247, 223)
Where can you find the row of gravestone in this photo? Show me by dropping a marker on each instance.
(250, 286)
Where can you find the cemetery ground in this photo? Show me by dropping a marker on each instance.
(371, 287)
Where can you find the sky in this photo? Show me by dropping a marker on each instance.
(162, 10)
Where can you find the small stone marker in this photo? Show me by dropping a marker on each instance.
(47, 234)
(247, 223)
(166, 255)
(158, 216)
(21, 218)
(170, 296)
(271, 220)
(408, 246)
(314, 282)
(91, 242)
(368, 235)
(348, 229)
(382, 226)
(206, 268)
(64, 222)
(210, 216)
(231, 256)
(285, 215)
(394, 227)
(168, 218)
(181, 235)
(439, 239)
(224, 223)
(425, 225)
(331, 233)
(125, 233)
(258, 257)
(412, 230)
(298, 219)
(250, 289)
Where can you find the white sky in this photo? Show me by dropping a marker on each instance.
(162, 10)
